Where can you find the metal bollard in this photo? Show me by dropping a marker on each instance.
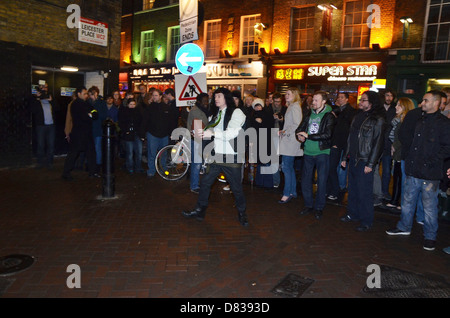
(108, 141)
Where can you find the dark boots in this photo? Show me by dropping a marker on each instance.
(198, 213)
(242, 217)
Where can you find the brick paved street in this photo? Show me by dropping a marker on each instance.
(139, 245)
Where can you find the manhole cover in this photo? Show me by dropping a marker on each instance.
(292, 286)
(396, 283)
(12, 264)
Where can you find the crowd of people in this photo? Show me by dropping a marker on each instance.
(384, 151)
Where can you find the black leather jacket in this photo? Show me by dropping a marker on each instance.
(370, 138)
(325, 132)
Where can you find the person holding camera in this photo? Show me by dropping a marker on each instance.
(42, 108)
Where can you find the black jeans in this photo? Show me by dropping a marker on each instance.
(333, 179)
(233, 176)
(74, 151)
(360, 193)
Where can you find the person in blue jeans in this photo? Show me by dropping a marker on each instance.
(157, 123)
(130, 123)
(429, 148)
(315, 132)
(97, 125)
(289, 145)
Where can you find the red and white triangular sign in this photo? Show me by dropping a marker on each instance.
(190, 90)
(187, 88)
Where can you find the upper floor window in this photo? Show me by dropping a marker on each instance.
(173, 38)
(302, 29)
(147, 44)
(212, 38)
(437, 39)
(147, 4)
(356, 33)
(249, 46)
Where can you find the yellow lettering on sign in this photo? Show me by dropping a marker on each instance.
(298, 74)
(289, 74)
(279, 74)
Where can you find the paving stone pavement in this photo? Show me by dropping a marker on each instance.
(138, 245)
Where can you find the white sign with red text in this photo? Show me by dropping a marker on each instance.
(94, 32)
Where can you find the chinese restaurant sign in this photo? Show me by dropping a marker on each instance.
(344, 72)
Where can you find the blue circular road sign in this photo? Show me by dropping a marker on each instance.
(189, 59)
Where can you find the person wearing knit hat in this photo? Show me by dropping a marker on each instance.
(257, 101)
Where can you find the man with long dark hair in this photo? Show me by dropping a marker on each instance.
(364, 150)
(225, 127)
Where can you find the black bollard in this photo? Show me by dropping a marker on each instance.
(108, 141)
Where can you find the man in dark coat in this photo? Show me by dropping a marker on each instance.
(81, 135)
(424, 168)
(344, 113)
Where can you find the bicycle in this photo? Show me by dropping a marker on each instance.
(172, 161)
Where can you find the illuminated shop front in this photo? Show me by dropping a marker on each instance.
(245, 77)
(160, 77)
(351, 77)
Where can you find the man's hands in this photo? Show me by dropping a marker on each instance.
(302, 136)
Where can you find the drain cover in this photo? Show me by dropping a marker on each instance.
(292, 286)
(12, 264)
(396, 283)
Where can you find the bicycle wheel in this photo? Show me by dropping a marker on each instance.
(172, 162)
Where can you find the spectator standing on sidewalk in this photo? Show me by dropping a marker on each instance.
(97, 125)
(81, 135)
(315, 133)
(404, 105)
(42, 108)
(424, 169)
(131, 131)
(345, 113)
(364, 149)
(289, 146)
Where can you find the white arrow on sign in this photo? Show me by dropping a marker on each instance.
(183, 59)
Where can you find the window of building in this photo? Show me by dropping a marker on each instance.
(249, 46)
(437, 39)
(147, 4)
(173, 37)
(147, 43)
(212, 38)
(356, 33)
(302, 28)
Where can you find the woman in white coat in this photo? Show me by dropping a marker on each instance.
(289, 145)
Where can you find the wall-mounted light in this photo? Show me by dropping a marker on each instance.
(69, 69)
(250, 60)
(406, 22)
(260, 25)
(227, 53)
(277, 51)
(263, 51)
(326, 6)
(155, 60)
